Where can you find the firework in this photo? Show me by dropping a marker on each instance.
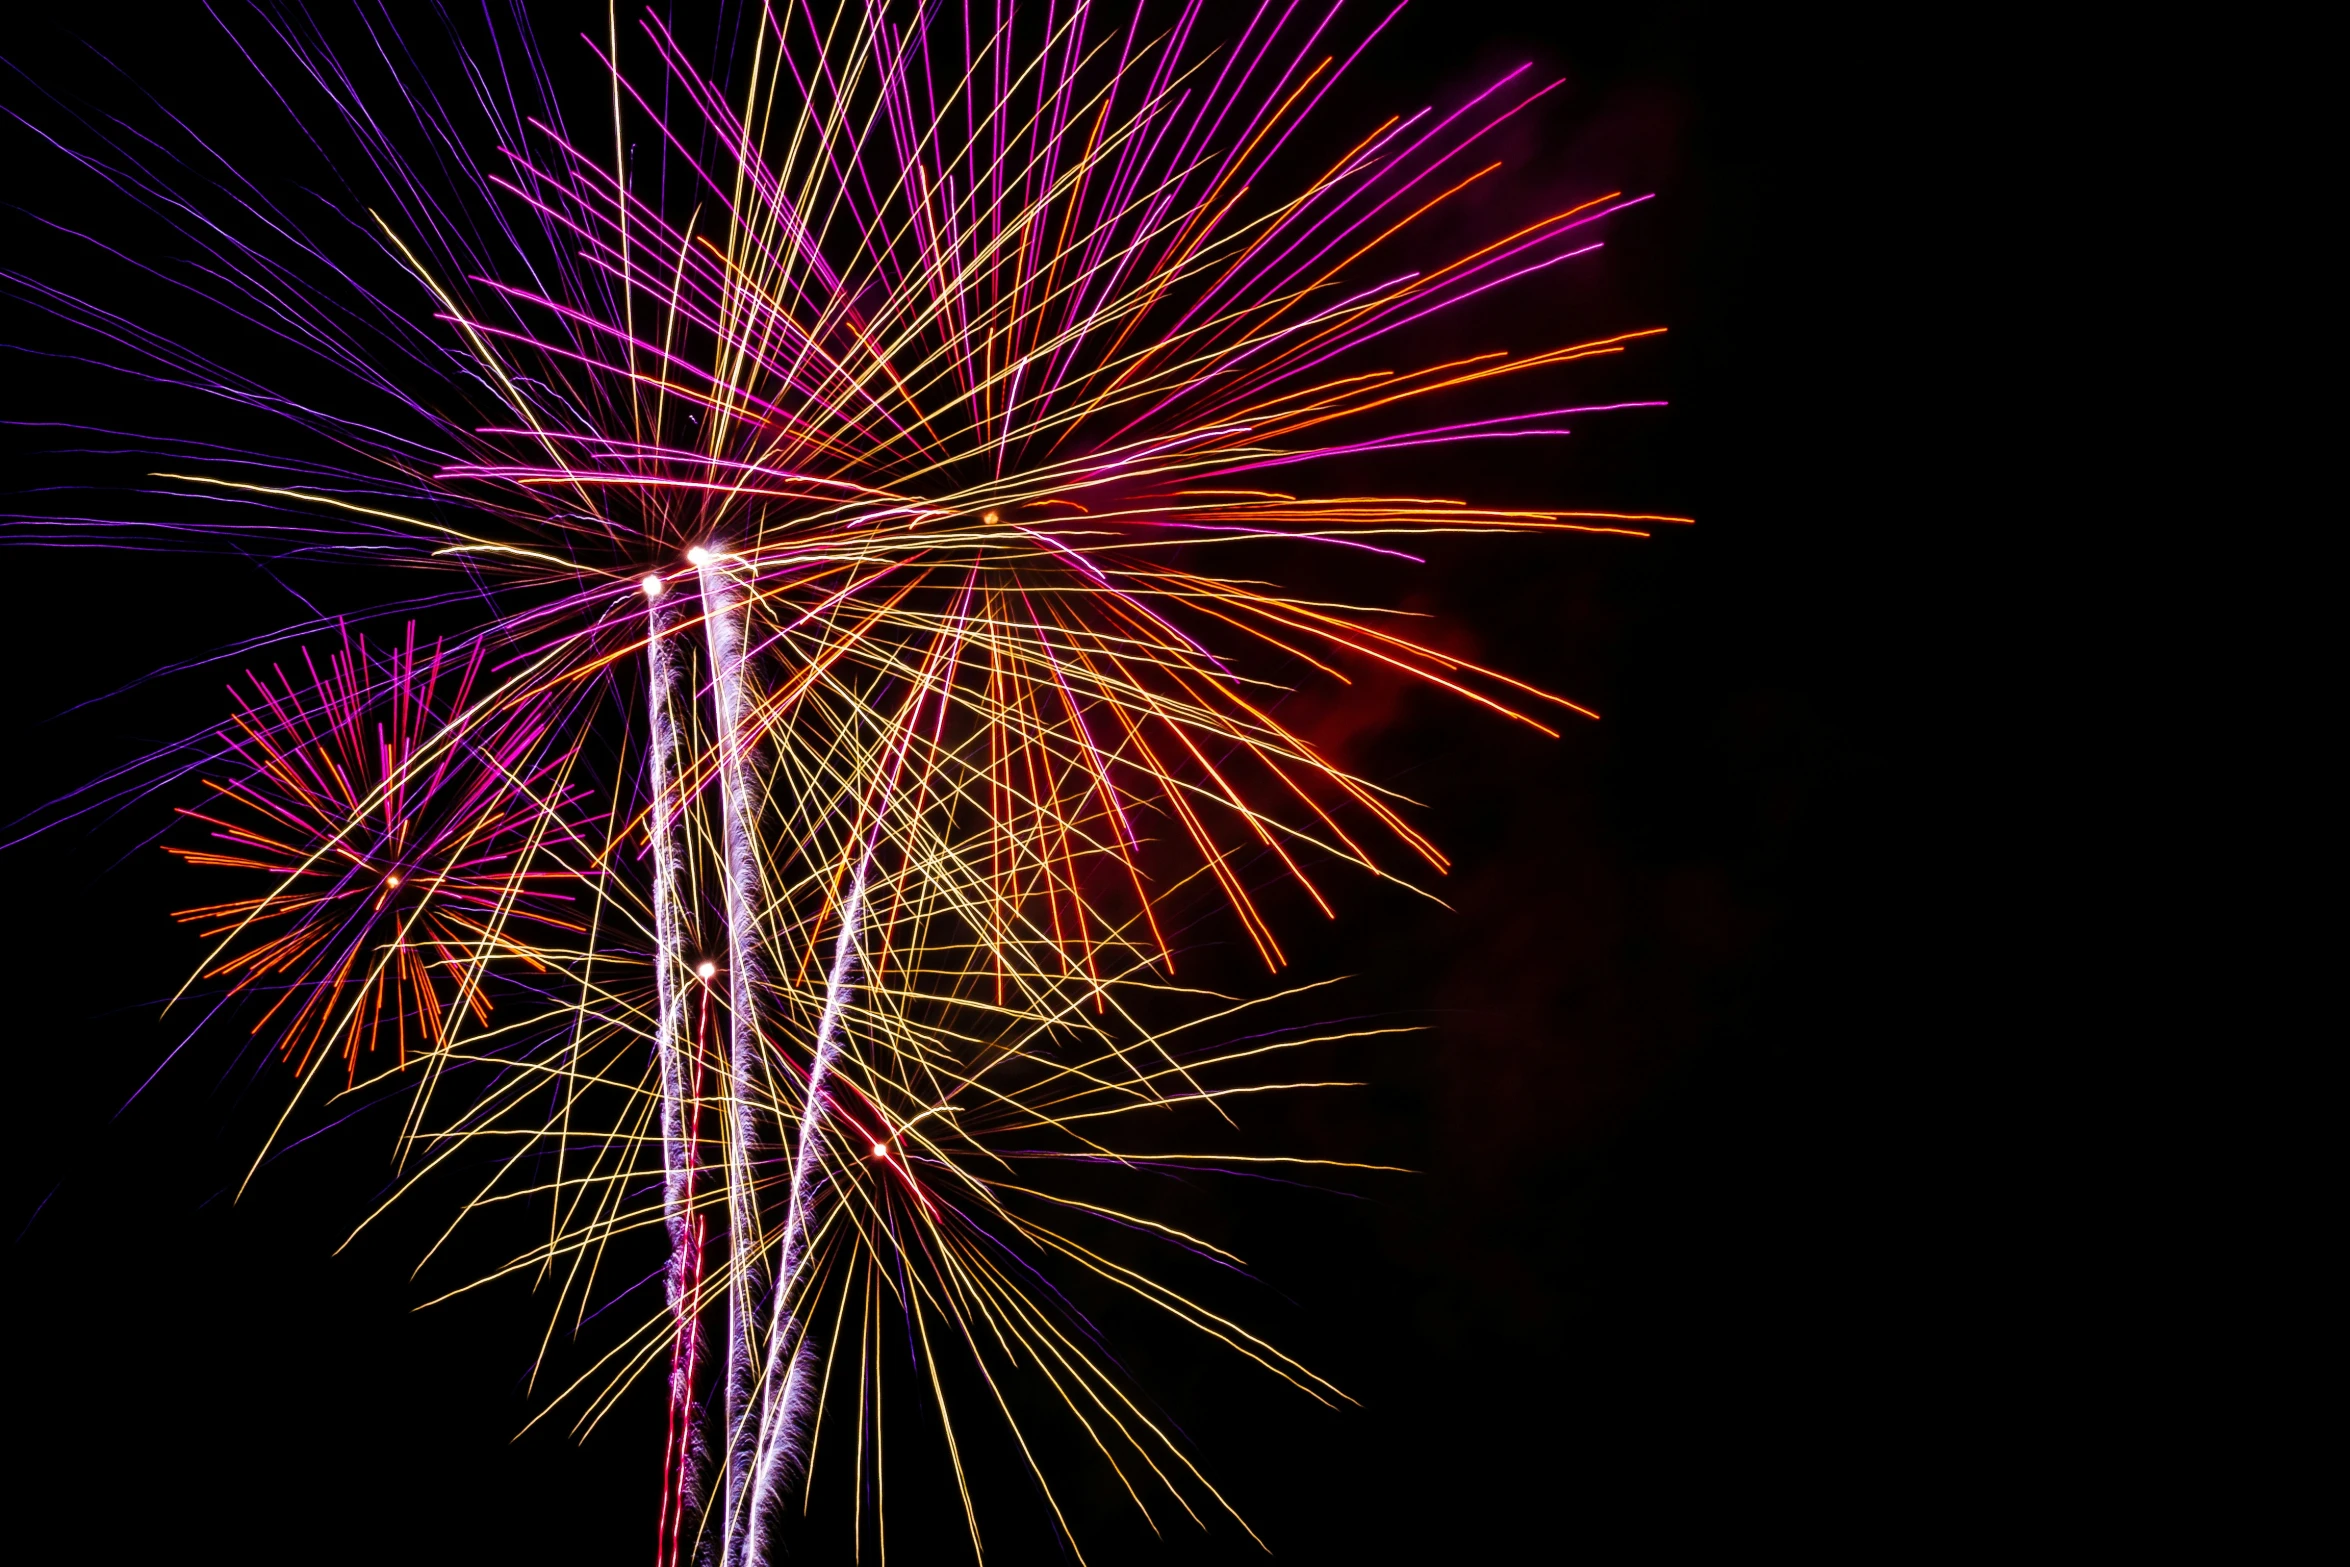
(841, 446)
(403, 852)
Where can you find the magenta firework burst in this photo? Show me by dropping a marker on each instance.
(877, 464)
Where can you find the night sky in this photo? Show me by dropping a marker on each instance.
(1641, 1292)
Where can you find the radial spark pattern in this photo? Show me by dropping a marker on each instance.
(865, 449)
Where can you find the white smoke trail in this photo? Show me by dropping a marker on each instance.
(723, 616)
(783, 1408)
(670, 991)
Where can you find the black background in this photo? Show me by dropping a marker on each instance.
(1662, 1277)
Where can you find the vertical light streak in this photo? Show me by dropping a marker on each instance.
(723, 614)
(783, 1411)
(682, 1485)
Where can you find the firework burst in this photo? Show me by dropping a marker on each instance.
(393, 879)
(850, 443)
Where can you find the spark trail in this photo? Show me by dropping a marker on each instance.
(683, 1472)
(783, 1409)
(722, 617)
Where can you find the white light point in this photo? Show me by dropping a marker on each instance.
(880, 1150)
(697, 556)
(652, 584)
(708, 969)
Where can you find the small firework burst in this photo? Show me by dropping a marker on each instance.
(396, 853)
